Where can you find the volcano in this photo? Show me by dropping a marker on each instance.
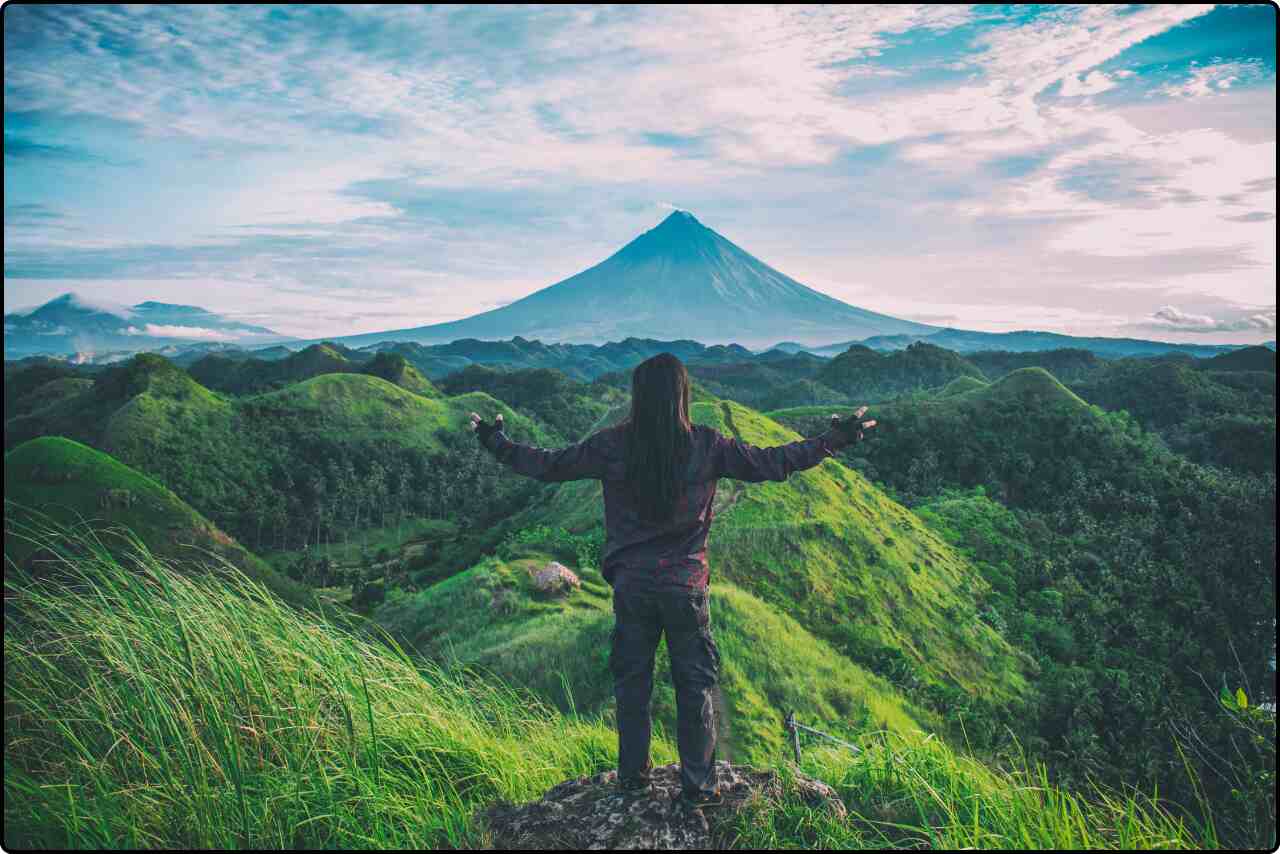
(678, 280)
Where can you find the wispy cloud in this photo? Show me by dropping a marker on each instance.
(1215, 79)
(1172, 318)
(194, 333)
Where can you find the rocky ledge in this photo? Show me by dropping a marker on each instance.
(590, 813)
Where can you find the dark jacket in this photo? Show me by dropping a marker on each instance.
(672, 555)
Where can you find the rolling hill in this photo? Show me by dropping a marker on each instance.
(51, 481)
(491, 618)
(1119, 564)
(871, 376)
(324, 453)
(251, 375)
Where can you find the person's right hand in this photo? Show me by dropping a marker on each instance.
(852, 428)
(482, 430)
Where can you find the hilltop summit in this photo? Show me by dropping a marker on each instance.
(679, 279)
(589, 813)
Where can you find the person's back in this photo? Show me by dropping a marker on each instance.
(659, 474)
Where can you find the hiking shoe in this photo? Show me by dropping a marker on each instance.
(698, 800)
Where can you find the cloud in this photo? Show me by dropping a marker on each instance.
(1172, 318)
(1253, 216)
(1094, 83)
(21, 148)
(1215, 79)
(159, 330)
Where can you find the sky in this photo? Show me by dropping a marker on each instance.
(1097, 170)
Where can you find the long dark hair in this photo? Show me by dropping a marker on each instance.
(659, 435)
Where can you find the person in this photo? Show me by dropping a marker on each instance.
(659, 473)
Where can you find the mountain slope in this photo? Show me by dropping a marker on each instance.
(1126, 569)
(57, 480)
(680, 279)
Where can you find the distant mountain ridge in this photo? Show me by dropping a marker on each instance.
(677, 280)
(73, 324)
(1024, 341)
(680, 280)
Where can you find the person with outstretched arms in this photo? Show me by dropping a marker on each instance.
(659, 473)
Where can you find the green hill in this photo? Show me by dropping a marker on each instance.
(1130, 571)
(59, 481)
(871, 376)
(1258, 358)
(48, 394)
(803, 392)
(396, 370)
(238, 375)
(22, 380)
(751, 382)
(146, 389)
(241, 375)
(1067, 364)
(491, 617)
(552, 397)
(315, 461)
(1026, 387)
(1220, 411)
(960, 385)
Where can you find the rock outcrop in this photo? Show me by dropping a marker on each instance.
(555, 579)
(590, 813)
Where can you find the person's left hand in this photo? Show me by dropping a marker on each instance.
(482, 430)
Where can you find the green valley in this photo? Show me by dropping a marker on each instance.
(996, 577)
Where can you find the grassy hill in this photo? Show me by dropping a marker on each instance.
(396, 370)
(491, 617)
(1258, 358)
(853, 568)
(209, 717)
(47, 394)
(959, 385)
(1133, 570)
(803, 392)
(56, 481)
(1067, 364)
(240, 375)
(871, 376)
(314, 461)
(1220, 411)
(550, 396)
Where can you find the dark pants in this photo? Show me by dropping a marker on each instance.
(640, 619)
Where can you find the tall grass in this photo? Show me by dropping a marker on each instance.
(916, 792)
(146, 708)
